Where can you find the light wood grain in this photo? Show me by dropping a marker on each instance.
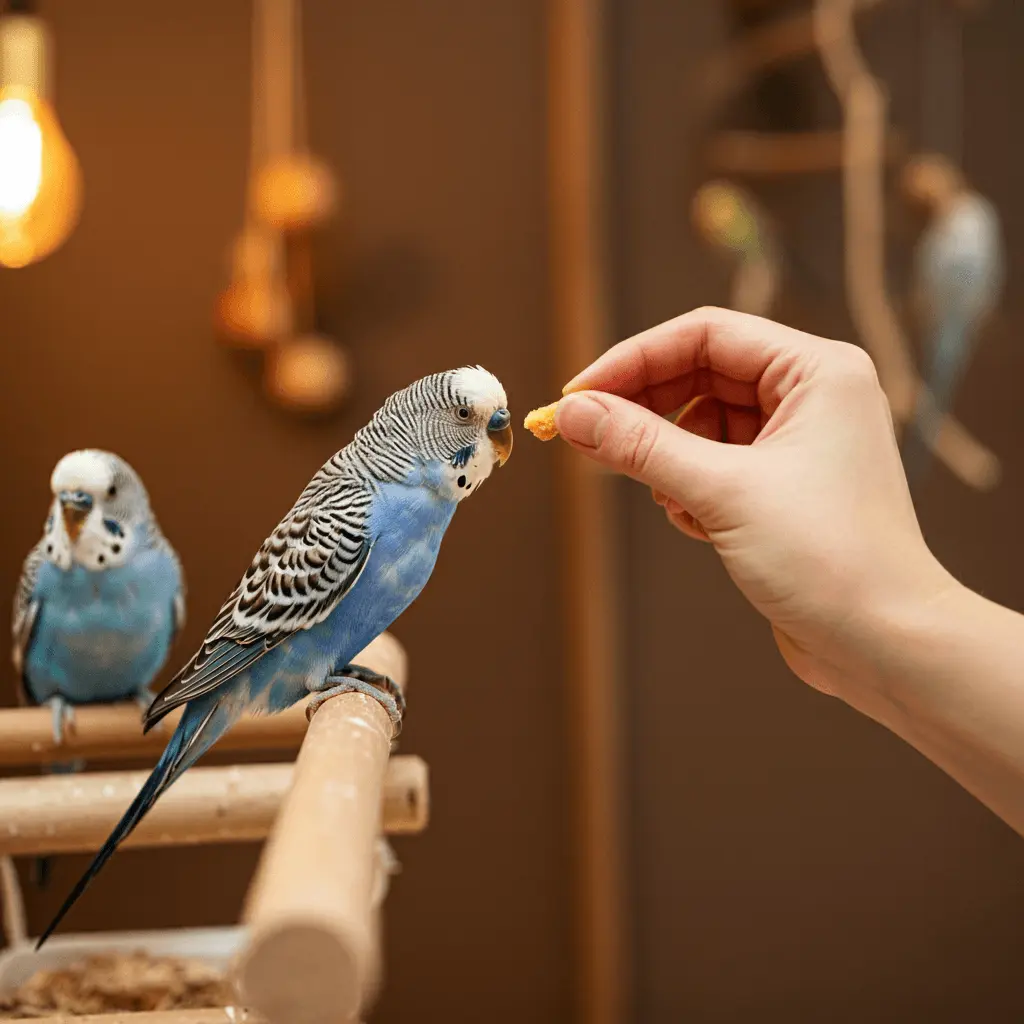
(313, 955)
(74, 814)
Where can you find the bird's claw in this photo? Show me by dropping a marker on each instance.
(62, 718)
(356, 679)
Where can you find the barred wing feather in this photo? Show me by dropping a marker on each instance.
(300, 574)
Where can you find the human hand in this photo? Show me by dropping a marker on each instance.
(806, 504)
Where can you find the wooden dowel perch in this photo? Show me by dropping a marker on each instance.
(112, 731)
(312, 955)
(772, 154)
(75, 813)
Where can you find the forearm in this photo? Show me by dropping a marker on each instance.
(948, 677)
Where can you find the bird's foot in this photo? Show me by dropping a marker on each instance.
(63, 718)
(356, 679)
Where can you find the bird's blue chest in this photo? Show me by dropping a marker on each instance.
(100, 635)
(406, 526)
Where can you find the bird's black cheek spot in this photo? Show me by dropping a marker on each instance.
(49, 549)
(462, 480)
(116, 548)
(100, 559)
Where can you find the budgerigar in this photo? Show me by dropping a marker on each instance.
(101, 595)
(958, 278)
(730, 219)
(349, 557)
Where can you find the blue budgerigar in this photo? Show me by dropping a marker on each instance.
(101, 595)
(349, 557)
(100, 599)
(958, 277)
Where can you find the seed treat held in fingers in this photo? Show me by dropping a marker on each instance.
(541, 422)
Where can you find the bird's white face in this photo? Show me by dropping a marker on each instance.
(483, 411)
(98, 503)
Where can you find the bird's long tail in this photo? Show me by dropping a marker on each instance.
(200, 727)
(950, 355)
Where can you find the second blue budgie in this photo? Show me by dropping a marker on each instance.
(101, 595)
(353, 552)
(959, 273)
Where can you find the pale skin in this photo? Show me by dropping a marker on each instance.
(808, 507)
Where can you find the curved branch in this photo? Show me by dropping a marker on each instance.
(865, 117)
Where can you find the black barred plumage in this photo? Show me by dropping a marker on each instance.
(25, 609)
(315, 554)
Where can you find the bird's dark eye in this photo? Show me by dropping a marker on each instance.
(463, 413)
(112, 491)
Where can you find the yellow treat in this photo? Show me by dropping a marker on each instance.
(541, 422)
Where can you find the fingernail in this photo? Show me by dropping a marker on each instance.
(582, 419)
(574, 385)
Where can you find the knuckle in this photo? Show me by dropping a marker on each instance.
(853, 365)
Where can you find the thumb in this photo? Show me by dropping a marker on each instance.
(637, 442)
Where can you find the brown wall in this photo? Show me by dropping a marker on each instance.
(433, 114)
(791, 861)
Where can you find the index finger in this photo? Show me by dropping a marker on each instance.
(732, 351)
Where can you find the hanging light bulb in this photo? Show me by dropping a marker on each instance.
(40, 179)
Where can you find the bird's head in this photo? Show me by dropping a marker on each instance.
(931, 182)
(99, 503)
(457, 420)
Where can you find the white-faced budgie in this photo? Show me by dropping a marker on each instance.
(349, 557)
(101, 596)
(958, 277)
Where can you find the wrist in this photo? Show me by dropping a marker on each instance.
(889, 653)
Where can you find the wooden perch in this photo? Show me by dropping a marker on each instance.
(75, 813)
(769, 154)
(114, 731)
(312, 955)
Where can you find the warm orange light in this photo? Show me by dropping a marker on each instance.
(40, 178)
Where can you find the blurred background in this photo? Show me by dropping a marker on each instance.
(764, 853)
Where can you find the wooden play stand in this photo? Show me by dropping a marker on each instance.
(309, 948)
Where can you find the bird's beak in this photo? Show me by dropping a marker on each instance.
(75, 508)
(499, 430)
